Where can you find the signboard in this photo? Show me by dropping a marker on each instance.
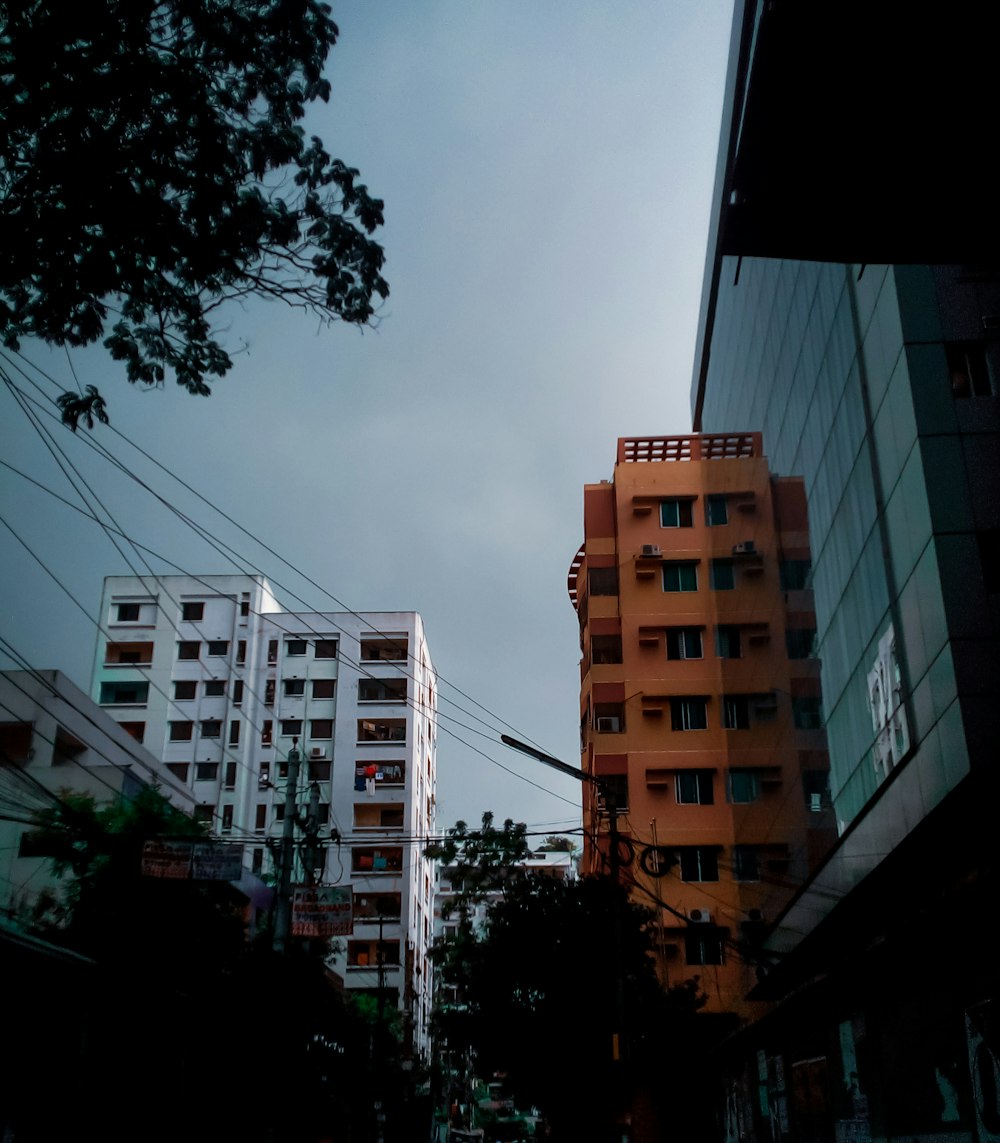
(197, 861)
(211, 862)
(167, 859)
(322, 912)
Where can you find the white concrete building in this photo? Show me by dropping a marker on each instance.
(217, 680)
(54, 738)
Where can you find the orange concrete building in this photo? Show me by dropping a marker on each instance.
(700, 701)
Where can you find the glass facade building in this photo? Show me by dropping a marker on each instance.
(851, 316)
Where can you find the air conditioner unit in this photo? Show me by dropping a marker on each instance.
(651, 551)
(747, 548)
(700, 916)
(316, 752)
(609, 725)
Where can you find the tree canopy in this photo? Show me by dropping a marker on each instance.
(537, 993)
(153, 166)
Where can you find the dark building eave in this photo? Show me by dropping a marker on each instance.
(854, 133)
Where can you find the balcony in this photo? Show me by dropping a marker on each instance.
(128, 654)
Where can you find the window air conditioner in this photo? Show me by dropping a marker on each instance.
(651, 551)
(316, 752)
(747, 548)
(700, 916)
(609, 725)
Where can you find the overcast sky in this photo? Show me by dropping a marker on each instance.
(546, 167)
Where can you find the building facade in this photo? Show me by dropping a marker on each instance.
(220, 682)
(700, 696)
(53, 738)
(875, 376)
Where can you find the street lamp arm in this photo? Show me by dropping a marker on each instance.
(562, 767)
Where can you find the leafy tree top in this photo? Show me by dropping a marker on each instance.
(153, 166)
(480, 861)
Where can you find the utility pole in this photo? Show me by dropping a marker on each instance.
(619, 1039)
(286, 854)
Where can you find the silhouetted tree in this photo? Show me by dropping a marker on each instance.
(153, 166)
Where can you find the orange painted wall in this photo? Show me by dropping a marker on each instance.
(620, 518)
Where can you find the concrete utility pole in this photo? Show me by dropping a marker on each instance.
(286, 854)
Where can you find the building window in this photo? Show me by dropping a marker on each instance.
(128, 654)
(269, 686)
(728, 644)
(294, 687)
(689, 713)
(291, 726)
(264, 773)
(746, 863)
(218, 646)
(699, 863)
(128, 612)
(188, 649)
(684, 643)
(384, 650)
(257, 862)
(181, 731)
(386, 730)
(716, 511)
(744, 786)
(736, 712)
(321, 728)
(602, 581)
(319, 771)
(124, 694)
(680, 576)
(227, 819)
(382, 690)
(272, 651)
(794, 574)
(676, 513)
(260, 817)
(192, 612)
(324, 688)
(234, 732)
(703, 945)
(203, 815)
(241, 651)
(244, 607)
(237, 692)
(807, 712)
(229, 779)
(694, 787)
(969, 369)
(617, 786)
(723, 575)
(179, 770)
(799, 642)
(206, 771)
(609, 717)
(185, 689)
(137, 730)
(816, 789)
(296, 647)
(326, 649)
(266, 732)
(606, 648)
(211, 728)
(215, 688)
(380, 860)
(386, 774)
